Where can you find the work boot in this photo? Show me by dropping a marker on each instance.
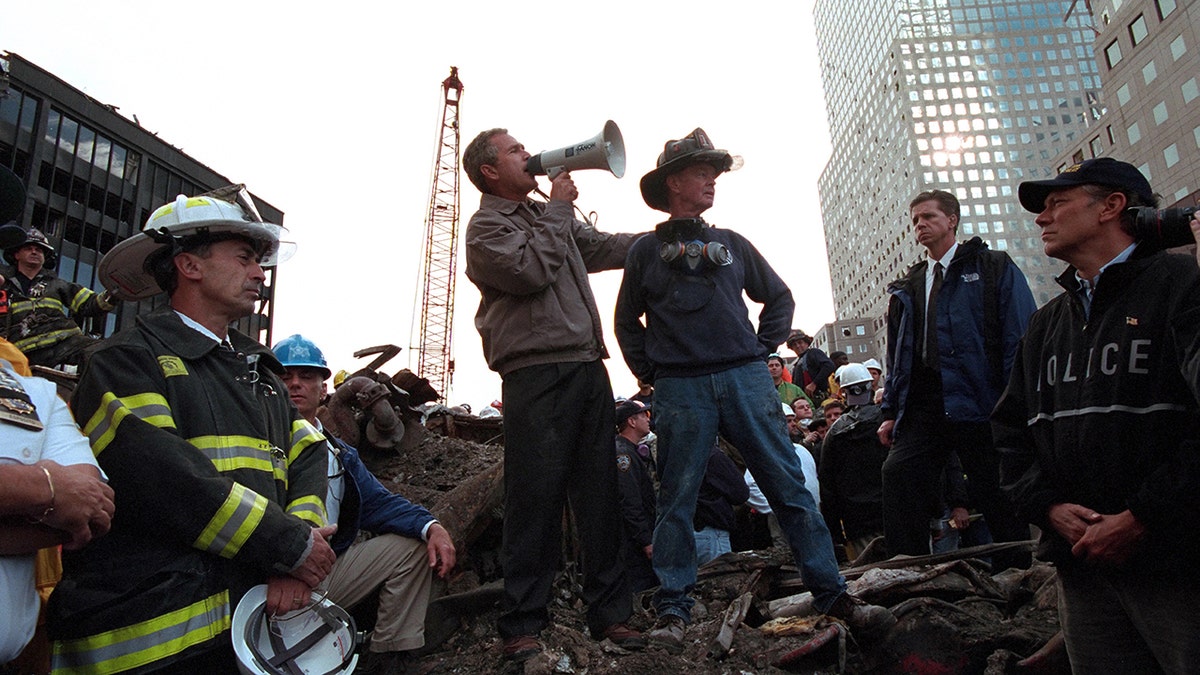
(668, 633)
(865, 620)
(520, 647)
(387, 663)
(624, 637)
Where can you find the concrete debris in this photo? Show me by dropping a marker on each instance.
(752, 613)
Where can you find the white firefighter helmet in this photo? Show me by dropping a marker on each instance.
(124, 270)
(318, 639)
(852, 374)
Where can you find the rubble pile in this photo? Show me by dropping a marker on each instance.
(751, 616)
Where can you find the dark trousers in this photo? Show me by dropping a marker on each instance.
(912, 484)
(1133, 621)
(558, 449)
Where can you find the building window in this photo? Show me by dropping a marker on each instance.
(1149, 73)
(1160, 114)
(1123, 94)
(1189, 90)
(1135, 133)
(1165, 7)
(1178, 48)
(860, 329)
(1137, 30)
(1113, 54)
(1171, 155)
(1096, 147)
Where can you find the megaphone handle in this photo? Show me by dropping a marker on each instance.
(554, 172)
(589, 218)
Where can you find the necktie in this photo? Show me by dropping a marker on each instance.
(931, 346)
(1085, 296)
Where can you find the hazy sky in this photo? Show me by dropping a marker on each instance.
(331, 112)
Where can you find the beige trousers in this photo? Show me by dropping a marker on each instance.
(399, 568)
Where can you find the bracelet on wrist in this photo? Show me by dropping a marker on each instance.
(49, 509)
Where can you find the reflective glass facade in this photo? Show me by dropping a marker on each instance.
(968, 96)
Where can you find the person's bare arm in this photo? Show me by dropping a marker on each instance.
(46, 504)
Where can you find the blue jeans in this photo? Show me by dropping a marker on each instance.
(711, 543)
(741, 403)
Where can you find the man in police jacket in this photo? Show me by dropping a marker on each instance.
(1100, 421)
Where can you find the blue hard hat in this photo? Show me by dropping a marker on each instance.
(297, 351)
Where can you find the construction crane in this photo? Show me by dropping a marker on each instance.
(435, 362)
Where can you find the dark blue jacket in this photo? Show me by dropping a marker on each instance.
(723, 488)
(970, 386)
(637, 494)
(696, 322)
(370, 506)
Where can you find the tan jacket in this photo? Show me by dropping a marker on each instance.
(530, 261)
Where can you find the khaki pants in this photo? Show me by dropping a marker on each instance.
(399, 568)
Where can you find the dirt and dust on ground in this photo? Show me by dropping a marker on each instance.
(954, 615)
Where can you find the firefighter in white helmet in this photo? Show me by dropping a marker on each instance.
(219, 483)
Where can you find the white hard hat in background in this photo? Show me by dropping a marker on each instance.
(853, 373)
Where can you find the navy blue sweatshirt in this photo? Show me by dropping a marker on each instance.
(696, 321)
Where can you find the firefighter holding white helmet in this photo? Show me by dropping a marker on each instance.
(220, 484)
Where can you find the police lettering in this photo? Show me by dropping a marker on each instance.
(1105, 360)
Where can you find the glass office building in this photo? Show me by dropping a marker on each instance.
(93, 177)
(968, 96)
(1148, 52)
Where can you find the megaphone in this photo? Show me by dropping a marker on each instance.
(605, 150)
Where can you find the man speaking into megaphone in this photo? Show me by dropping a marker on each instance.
(541, 332)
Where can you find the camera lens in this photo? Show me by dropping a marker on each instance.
(1165, 228)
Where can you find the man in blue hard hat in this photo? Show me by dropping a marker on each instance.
(407, 544)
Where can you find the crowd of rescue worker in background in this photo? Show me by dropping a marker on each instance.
(209, 523)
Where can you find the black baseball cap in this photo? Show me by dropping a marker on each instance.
(1104, 171)
(629, 408)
